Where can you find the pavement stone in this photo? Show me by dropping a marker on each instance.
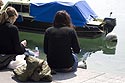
(81, 76)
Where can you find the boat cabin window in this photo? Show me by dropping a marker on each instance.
(20, 8)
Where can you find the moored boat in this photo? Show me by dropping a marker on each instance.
(37, 17)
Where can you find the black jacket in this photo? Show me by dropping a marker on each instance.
(9, 40)
(59, 44)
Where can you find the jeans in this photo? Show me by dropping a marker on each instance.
(75, 65)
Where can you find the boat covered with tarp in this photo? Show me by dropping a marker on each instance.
(79, 11)
(37, 16)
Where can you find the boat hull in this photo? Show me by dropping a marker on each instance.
(25, 22)
(29, 25)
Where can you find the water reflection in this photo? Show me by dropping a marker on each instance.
(90, 46)
(110, 47)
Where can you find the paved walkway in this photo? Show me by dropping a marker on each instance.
(81, 76)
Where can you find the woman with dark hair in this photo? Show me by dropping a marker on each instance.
(61, 44)
(9, 37)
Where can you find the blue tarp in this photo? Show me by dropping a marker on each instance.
(79, 11)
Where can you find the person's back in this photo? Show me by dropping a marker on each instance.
(9, 42)
(9, 37)
(59, 43)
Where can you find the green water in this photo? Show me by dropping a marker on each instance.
(33, 40)
(88, 46)
(98, 55)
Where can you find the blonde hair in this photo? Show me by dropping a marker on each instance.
(1, 3)
(7, 14)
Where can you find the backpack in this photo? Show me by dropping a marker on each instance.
(35, 70)
(5, 60)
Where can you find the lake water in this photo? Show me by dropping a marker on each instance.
(98, 56)
(111, 63)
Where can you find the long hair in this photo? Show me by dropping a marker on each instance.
(62, 18)
(1, 3)
(6, 14)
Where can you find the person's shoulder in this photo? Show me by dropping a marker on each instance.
(70, 29)
(12, 27)
(50, 28)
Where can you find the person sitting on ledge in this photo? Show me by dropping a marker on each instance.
(61, 44)
(10, 46)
